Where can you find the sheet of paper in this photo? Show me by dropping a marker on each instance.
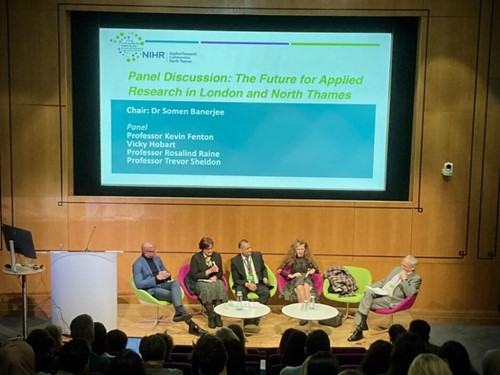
(378, 291)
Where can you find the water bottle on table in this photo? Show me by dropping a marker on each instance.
(239, 300)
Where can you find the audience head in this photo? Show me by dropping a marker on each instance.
(376, 359)
(169, 343)
(209, 355)
(395, 331)
(404, 351)
(152, 348)
(235, 352)
(74, 356)
(40, 341)
(285, 336)
(491, 362)
(428, 364)
(457, 357)
(116, 341)
(317, 341)
(98, 346)
(323, 363)
(126, 362)
(238, 331)
(17, 357)
(294, 352)
(421, 328)
(82, 327)
(56, 333)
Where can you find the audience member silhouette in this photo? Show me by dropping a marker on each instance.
(458, 358)
(209, 355)
(376, 359)
(350, 371)
(116, 341)
(285, 336)
(74, 357)
(316, 341)
(404, 351)
(82, 327)
(153, 351)
(428, 364)
(294, 353)
(56, 333)
(17, 358)
(235, 352)
(491, 362)
(423, 329)
(126, 362)
(323, 363)
(238, 331)
(395, 331)
(169, 344)
(98, 346)
(42, 345)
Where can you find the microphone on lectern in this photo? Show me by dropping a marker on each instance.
(90, 238)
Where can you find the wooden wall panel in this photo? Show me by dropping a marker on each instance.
(440, 230)
(384, 232)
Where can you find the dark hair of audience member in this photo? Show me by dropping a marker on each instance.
(395, 331)
(74, 356)
(152, 348)
(235, 364)
(116, 341)
(323, 363)
(421, 328)
(82, 327)
(317, 341)
(209, 355)
(285, 336)
(458, 358)
(350, 371)
(404, 351)
(376, 359)
(238, 331)
(126, 362)
(169, 344)
(42, 345)
(98, 346)
(294, 352)
(56, 333)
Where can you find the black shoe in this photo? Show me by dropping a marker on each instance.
(211, 323)
(195, 329)
(218, 320)
(356, 335)
(303, 322)
(183, 316)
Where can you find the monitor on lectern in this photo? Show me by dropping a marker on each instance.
(18, 241)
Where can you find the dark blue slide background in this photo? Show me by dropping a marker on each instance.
(256, 139)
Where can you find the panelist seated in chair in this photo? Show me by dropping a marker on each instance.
(151, 275)
(402, 282)
(297, 269)
(205, 279)
(249, 274)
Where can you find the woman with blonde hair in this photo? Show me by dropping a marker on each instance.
(429, 364)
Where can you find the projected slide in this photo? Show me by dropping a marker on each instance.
(219, 109)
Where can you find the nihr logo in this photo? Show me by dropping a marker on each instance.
(154, 55)
(130, 45)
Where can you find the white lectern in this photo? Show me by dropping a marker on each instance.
(84, 283)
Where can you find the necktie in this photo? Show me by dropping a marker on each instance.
(249, 269)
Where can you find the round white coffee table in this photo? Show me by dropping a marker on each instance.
(319, 312)
(250, 310)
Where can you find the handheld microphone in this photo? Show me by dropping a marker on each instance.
(90, 238)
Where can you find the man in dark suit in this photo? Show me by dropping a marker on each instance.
(249, 274)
